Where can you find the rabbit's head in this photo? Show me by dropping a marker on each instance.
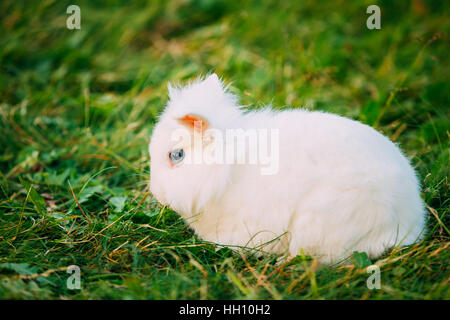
(180, 177)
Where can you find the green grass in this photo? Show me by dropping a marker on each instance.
(77, 108)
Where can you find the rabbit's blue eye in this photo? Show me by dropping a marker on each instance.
(176, 155)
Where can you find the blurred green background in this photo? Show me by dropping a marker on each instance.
(77, 108)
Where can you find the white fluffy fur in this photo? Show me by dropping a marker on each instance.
(341, 186)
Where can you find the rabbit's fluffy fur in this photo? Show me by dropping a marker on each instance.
(341, 185)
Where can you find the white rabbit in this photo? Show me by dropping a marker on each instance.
(340, 186)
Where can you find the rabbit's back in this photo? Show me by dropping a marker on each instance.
(341, 187)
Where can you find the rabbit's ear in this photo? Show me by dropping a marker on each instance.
(193, 121)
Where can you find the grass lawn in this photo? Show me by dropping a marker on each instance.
(77, 108)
